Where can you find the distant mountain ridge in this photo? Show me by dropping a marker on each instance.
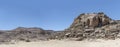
(25, 34)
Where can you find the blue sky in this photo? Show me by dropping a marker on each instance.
(51, 14)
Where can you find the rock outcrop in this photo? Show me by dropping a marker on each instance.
(90, 20)
(92, 26)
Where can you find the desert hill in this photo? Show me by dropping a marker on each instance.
(92, 26)
(85, 26)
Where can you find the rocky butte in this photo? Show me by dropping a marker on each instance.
(92, 26)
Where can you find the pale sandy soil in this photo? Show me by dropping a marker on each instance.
(63, 43)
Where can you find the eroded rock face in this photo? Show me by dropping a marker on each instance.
(91, 20)
(92, 26)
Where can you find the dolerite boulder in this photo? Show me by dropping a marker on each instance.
(92, 26)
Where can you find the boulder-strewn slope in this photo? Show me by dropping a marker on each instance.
(92, 26)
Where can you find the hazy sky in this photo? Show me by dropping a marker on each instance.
(51, 14)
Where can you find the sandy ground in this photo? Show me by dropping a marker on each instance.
(63, 43)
